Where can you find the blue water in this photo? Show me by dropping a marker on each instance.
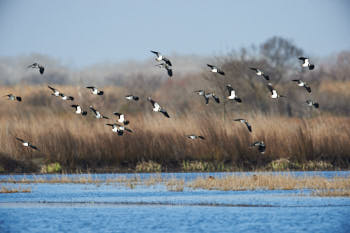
(116, 208)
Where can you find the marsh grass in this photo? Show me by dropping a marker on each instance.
(320, 186)
(159, 144)
(19, 189)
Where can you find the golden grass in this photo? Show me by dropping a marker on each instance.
(5, 189)
(158, 143)
(320, 186)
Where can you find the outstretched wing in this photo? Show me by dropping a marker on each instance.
(303, 58)
(165, 113)
(170, 71)
(217, 100)
(167, 61)
(152, 101)
(211, 66)
(94, 110)
(53, 89)
(248, 126)
(270, 87)
(229, 89)
(19, 139)
(34, 147)
(155, 52)
(255, 69)
(90, 87)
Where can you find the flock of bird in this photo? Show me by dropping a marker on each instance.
(119, 126)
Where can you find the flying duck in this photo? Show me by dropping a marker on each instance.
(157, 108)
(27, 144)
(13, 97)
(306, 63)
(200, 92)
(95, 91)
(78, 110)
(208, 95)
(301, 83)
(160, 57)
(232, 94)
(55, 92)
(167, 67)
(260, 73)
(261, 146)
(274, 94)
(214, 69)
(121, 118)
(132, 97)
(193, 137)
(119, 129)
(312, 103)
(246, 123)
(98, 115)
(64, 97)
(37, 66)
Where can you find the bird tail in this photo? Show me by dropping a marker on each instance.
(19, 99)
(84, 113)
(311, 66)
(100, 93)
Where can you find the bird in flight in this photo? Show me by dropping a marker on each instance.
(193, 137)
(119, 129)
(160, 57)
(121, 118)
(95, 91)
(274, 94)
(249, 127)
(312, 104)
(215, 69)
(27, 144)
(232, 94)
(13, 97)
(167, 67)
(132, 97)
(306, 63)
(78, 110)
(260, 73)
(157, 108)
(261, 146)
(98, 115)
(37, 66)
(301, 83)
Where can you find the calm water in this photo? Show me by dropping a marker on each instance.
(115, 208)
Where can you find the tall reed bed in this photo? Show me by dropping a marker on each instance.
(80, 143)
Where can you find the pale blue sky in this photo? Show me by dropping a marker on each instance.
(85, 32)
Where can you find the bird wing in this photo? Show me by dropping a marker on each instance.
(127, 129)
(255, 69)
(167, 61)
(155, 52)
(270, 87)
(206, 99)
(308, 88)
(19, 139)
(94, 110)
(296, 80)
(34, 147)
(211, 66)
(165, 113)
(117, 114)
(248, 126)
(217, 100)
(240, 120)
(53, 89)
(229, 88)
(170, 71)
(152, 101)
(91, 87)
(303, 58)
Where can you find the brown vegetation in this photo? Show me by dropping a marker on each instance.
(307, 138)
